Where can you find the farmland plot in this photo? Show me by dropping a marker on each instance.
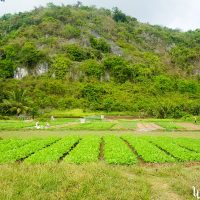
(147, 151)
(12, 144)
(112, 149)
(2, 142)
(116, 151)
(87, 150)
(169, 145)
(26, 150)
(53, 152)
(191, 144)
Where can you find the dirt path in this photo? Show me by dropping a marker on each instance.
(156, 126)
(189, 126)
(148, 127)
(120, 117)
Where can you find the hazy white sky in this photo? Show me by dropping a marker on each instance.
(183, 14)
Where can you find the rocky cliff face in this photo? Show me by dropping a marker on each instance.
(22, 71)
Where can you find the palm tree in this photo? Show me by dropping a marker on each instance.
(19, 95)
(17, 102)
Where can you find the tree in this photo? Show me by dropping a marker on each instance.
(92, 68)
(16, 103)
(100, 44)
(78, 4)
(70, 31)
(33, 111)
(8, 60)
(183, 56)
(163, 83)
(189, 86)
(118, 15)
(119, 68)
(60, 66)
(30, 55)
(6, 68)
(77, 53)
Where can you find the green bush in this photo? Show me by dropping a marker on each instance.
(92, 68)
(30, 56)
(183, 56)
(118, 16)
(70, 31)
(190, 86)
(77, 53)
(100, 44)
(60, 67)
(164, 83)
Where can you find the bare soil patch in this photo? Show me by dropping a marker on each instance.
(120, 117)
(148, 127)
(189, 126)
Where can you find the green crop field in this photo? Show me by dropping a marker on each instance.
(30, 124)
(91, 126)
(169, 125)
(127, 149)
(100, 159)
(95, 123)
(103, 164)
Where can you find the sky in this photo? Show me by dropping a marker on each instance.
(181, 14)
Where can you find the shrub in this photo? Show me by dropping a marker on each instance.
(100, 44)
(70, 31)
(77, 53)
(92, 68)
(118, 16)
(60, 67)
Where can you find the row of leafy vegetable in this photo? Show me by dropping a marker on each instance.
(53, 152)
(175, 148)
(116, 150)
(26, 150)
(87, 150)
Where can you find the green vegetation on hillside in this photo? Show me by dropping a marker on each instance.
(98, 60)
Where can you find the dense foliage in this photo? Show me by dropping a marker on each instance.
(65, 57)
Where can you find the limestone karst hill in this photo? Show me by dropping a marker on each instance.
(98, 59)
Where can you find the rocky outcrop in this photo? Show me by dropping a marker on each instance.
(115, 48)
(22, 71)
